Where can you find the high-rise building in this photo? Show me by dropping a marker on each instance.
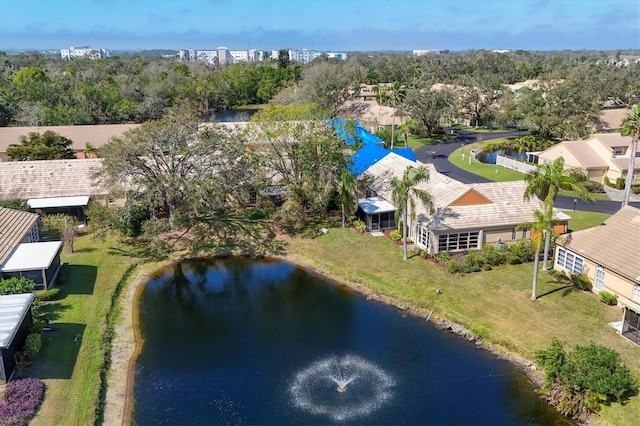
(84, 52)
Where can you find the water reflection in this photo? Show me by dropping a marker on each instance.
(226, 340)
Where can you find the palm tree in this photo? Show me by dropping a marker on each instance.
(402, 194)
(631, 127)
(347, 193)
(538, 228)
(90, 150)
(396, 95)
(545, 182)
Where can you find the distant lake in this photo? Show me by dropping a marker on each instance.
(262, 342)
(232, 115)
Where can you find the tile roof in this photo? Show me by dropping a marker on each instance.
(49, 178)
(14, 225)
(612, 139)
(97, 135)
(614, 244)
(585, 154)
(507, 207)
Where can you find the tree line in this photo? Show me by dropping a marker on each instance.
(572, 88)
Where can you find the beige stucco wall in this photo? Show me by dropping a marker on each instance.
(596, 175)
(491, 236)
(613, 282)
(559, 151)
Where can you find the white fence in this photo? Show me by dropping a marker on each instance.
(512, 164)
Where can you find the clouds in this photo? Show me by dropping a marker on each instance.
(329, 24)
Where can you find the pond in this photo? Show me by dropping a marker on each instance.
(230, 115)
(491, 157)
(246, 341)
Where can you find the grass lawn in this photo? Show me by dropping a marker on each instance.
(489, 171)
(492, 303)
(583, 220)
(603, 196)
(72, 356)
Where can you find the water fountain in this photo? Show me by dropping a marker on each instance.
(369, 387)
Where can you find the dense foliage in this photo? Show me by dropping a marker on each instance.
(21, 401)
(578, 382)
(36, 146)
(15, 285)
(471, 86)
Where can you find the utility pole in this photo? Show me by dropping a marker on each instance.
(630, 169)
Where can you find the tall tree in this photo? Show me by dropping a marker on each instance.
(545, 182)
(538, 228)
(36, 146)
(347, 193)
(404, 192)
(171, 165)
(631, 128)
(428, 107)
(302, 154)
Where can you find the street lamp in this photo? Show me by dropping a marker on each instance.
(574, 204)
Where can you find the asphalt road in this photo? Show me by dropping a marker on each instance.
(438, 155)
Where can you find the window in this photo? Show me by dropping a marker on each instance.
(617, 150)
(636, 292)
(458, 241)
(524, 232)
(513, 234)
(33, 235)
(599, 278)
(569, 261)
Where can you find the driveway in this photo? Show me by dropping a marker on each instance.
(438, 155)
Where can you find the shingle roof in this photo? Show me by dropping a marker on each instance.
(14, 225)
(507, 205)
(97, 135)
(612, 139)
(615, 244)
(49, 178)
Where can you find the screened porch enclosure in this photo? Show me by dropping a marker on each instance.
(631, 326)
(376, 213)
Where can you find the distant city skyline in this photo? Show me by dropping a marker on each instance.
(345, 25)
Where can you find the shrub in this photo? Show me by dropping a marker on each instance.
(15, 204)
(593, 187)
(607, 181)
(33, 344)
(255, 214)
(581, 281)
(559, 275)
(21, 401)
(620, 183)
(443, 257)
(395, 235)
(493, 256)
(635, 189)
(576, 382)
(15, 285)
(608, 298)
(522, 251)
(46, 295)
(473, 262)
(360, 226)
(453, 266)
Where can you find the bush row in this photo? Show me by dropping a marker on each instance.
(488, 257)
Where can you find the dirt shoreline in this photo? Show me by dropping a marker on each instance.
(127, 340)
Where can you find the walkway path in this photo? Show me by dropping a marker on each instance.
(438, 155)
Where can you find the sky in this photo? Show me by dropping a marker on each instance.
(327, 25)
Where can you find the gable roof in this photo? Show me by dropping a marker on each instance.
(49, 178)
(370, 154)
(505, 206)
(585, 154)
(614, 244)
(14, 226)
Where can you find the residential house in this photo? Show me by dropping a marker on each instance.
(15, 322)
(21, 252)
(466, 216)
(96, 135)
(609, 254)
(602, 155)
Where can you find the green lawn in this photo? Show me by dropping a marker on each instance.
(489, 171)
(583, 220)
(415, 141)
(496, 302)
(73, 355)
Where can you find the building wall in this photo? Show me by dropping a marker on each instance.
(7, 355)
(613, 283)
(596, 175)
(559, 150)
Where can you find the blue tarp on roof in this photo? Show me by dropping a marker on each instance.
(370, 154)
(361, 133)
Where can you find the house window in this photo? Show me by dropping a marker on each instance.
(617, 150)
(636, 292)
(33, 235)
(569, 261)
(599, 278)
(524, 232)
(458, 241)
(513, 234)
(253, 197)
